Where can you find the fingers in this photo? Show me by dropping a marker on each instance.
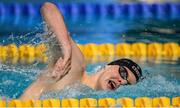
(62, 67)
(67, 63)
(60, 74)
(65, 73)
(58, 66)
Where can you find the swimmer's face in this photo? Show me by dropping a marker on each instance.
(110, 78)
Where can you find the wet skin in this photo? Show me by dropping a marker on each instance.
(110, 78)
(70, 67)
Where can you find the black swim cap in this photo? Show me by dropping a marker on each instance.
(135, 68)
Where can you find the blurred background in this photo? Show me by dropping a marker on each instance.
(97, 1)
(143, 19)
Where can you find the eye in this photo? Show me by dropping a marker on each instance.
(123, 73)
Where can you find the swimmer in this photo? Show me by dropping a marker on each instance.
(70, 67)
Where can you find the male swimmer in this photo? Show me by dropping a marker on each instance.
(70, 67)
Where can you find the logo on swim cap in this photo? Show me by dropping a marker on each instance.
(136, 70)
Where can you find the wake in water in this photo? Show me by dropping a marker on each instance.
(154, 85)
(151, 87)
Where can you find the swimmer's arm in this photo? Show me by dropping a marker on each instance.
(55, 23)
(39, 86)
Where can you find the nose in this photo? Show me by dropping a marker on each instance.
(121, 82)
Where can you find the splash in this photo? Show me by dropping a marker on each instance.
(154, 86)
(36, 37)
(15, 78)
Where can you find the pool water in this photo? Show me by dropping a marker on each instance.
(162, 79)
(162, 76)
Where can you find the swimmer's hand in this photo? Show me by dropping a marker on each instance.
(62, 67)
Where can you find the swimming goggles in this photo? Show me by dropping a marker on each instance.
(124, 74)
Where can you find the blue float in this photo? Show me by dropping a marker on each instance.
(163, 11)
(175, 11)
(29, 10)
(2, 12)
(84, 10)
(135, 10)
(15, 9)
(149, 10)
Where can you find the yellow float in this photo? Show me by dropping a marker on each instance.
(106, 49)
(106, 102)
(123, 49)
(12, 53)
(161, 102)
(155, 49)
(171, 49)
(143, 102)
(139, 49)
(91, 50)
(71, 102)
(3, 54)
(92, 102)
(125, 102)
(28, 54)
(88, 102)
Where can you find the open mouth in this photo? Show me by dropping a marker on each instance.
(112, 85)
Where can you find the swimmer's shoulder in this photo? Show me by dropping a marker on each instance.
(77, 68)
(78, 59)
(72, 77)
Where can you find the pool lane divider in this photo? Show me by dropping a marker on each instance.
(157, 10)
(28, 54)
(169, 49)
(93, 103)
(25, 54)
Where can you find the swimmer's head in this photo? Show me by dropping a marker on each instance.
(118, 73)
